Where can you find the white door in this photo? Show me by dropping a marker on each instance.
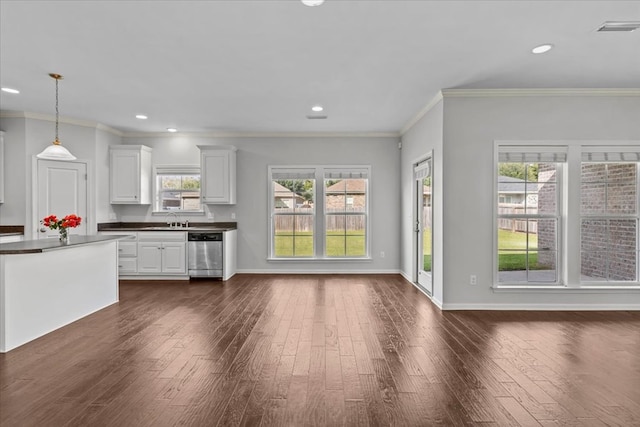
(62, 190)
(424, 219)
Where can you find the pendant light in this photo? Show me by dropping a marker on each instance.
(56, 151)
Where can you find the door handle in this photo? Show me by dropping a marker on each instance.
(43, 229)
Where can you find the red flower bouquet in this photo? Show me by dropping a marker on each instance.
(69, 221)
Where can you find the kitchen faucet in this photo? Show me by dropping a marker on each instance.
(175, 222)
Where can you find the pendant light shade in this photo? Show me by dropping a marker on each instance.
(56, 151)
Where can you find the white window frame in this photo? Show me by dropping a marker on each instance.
(569, 238)
(545, 151)
(357, 173)
(177, 170)
(293, 173)
(319, 213)
(610, 155)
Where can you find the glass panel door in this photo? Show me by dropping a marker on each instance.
(424, 221)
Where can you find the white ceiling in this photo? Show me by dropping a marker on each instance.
(259, 66)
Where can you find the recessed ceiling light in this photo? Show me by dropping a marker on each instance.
(141, 117)
(312, 3)
(9, 90)
(317, 108)
(542, 48)
(172, 130)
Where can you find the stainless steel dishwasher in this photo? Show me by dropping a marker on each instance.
(205, 254)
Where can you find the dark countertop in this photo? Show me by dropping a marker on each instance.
(162, 226)
(44, 245)
(11, 230)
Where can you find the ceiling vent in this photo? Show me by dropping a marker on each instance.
(316, 117)
(619, 26)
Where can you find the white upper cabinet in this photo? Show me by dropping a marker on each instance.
(130, 170)
(2, 156)
(218, 174)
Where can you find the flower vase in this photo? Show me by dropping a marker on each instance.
(64, 236)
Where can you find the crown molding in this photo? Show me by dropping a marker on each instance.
(492, 93)
(420, 114)
(262, 134)
(65, 120)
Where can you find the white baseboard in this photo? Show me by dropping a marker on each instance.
(543, 307)
(282, 271)
(406, 277)
(125, 277)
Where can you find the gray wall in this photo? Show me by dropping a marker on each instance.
(424, 138)
(471, 125)
(253, 157)
(27, 135)
(13, 210)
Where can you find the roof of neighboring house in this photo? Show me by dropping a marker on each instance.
(507, 184)
(280, 191)
(353, 186)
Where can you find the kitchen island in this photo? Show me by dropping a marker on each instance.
(45, 284)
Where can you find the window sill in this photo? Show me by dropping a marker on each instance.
(368, 259)
(586, 289)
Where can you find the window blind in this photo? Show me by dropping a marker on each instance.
(540, 154)
(356, 173)
(614, 156)
(422, 170)
(293, 173)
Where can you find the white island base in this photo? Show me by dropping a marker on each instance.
(41, 292)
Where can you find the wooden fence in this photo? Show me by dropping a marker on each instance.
(519, 225)
(304, 223)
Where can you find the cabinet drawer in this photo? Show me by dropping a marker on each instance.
(127, 265)
(127, 249)
(162, 236)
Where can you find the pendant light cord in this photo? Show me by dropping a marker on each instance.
(57, 110)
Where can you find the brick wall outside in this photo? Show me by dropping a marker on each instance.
(609, 189)
(337, 202)
(546, 205)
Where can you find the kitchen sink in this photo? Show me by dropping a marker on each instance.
(167, 228)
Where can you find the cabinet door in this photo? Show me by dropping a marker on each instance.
(174, 259)
(215, 176)
(150, 257)
(125, 176)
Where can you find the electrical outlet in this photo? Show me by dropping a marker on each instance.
(473, 279)
(233, 215)
(210, 216)
(382, 254)
(112, 216)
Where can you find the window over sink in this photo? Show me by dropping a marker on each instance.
(177, 189)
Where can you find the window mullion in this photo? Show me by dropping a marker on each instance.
(570, 237)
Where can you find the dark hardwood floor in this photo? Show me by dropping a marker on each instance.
(322, 350)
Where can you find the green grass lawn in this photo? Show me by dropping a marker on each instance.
(512, 251)
(337, 244)
(511, 254)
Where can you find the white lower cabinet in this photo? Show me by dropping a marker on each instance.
(152, 253)
(162, 253)
(127, 252)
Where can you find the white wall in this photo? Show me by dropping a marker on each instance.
(471, 125)
(253, 157)
(424, 138)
